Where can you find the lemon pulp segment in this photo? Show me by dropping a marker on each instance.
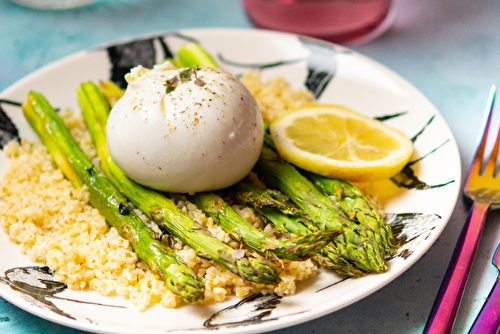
(337, 142)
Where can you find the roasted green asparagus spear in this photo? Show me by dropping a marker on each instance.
(357, 245)
(356, 205)
(111, 92)
(275, 207)
(268, 140)
(301, 247)
(193, 55)
(162, 210)
(189, 55)
(289, 219)
(108, 200)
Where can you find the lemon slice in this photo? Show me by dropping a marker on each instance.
(337, 142)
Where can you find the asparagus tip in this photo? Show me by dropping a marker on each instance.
(184, 283)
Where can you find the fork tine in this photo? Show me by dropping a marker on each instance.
(478, 156)
(491, 165)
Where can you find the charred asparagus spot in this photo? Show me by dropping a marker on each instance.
(356, 245)
(91, 171)
(301, 247)
(288, 219)
(124, 209)
(75, 165)
(162, 210)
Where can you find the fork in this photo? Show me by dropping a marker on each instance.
(488, 320)
(482, 187)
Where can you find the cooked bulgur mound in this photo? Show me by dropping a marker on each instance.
(54, 224)
(275, 97)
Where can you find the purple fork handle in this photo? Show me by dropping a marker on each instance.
(488, 320)
(448, 299)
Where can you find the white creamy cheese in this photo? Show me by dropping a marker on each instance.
(206, 133)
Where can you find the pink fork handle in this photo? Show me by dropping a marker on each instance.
(448, 299)
(488, 320)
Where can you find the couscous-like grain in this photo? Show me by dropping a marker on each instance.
(274, 96)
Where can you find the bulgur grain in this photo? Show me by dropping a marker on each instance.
(275, 97)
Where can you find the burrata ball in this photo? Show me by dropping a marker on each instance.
(185, 130)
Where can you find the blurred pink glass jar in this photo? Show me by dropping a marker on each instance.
(339, 21)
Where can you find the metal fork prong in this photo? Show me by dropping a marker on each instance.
(479, 155)
(491, 165)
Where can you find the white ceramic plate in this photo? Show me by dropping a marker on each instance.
(335, 75)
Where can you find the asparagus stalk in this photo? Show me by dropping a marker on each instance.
(272, 205)
(179, 278)
(288, 218)
(189, 55)
(356, 205)
(162, 210)
(357, 245)
(301, 247)
(112, 93)
(193, 55)
(268, 140)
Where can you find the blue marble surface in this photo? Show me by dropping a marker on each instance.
(449, 49)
